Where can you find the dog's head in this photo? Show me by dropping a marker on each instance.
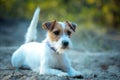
(59, 34)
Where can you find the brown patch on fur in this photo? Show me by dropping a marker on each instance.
(57, 31)
(71, 25)
(52, 25)
(49, 25)
(68, 31)
(52, 36)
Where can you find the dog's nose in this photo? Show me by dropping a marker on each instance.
(65, 43)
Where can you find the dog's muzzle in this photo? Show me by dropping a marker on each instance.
(65, 44)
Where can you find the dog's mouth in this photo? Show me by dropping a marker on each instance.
(64, 47)
(59, 49)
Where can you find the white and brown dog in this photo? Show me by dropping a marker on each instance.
(50, 56)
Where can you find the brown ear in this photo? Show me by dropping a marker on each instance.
(49, 25)
(71, 25)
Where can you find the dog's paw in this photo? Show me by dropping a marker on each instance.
(63, 74)
(76, 74)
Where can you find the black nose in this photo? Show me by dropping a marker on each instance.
(65, 43)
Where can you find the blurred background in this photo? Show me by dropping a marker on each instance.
(96, 42)
(98, 21)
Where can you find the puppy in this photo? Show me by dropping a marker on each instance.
(50, 56)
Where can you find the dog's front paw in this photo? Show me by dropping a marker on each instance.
(76, 74)
(63, 74)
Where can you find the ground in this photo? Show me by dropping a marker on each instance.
(94, 65)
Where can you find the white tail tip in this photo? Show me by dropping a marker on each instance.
(31, 34)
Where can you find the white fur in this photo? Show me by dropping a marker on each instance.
(39, 57)
(31, 32)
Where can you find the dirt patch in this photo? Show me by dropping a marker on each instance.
(100, 66)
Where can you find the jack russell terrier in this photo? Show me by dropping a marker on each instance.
(50, 56)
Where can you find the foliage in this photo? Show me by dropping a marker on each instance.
(98, 11)
(94, 17)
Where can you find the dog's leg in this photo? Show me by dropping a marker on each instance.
(72, 72)
(50, 71)
(69, 69)
(17, 58)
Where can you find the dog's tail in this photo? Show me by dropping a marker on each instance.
(31, 34)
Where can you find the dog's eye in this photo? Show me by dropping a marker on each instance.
(69, 32)
(56, 32)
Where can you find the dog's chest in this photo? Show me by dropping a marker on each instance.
(56, 61)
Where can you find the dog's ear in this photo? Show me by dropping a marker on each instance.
(49, 25)
(71, 25)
